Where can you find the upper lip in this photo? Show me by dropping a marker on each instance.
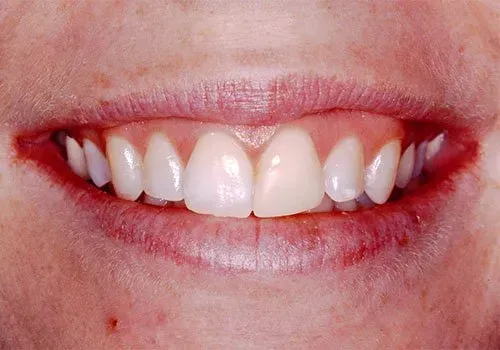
(264, 102)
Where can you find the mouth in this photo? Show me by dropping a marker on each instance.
(293, 175)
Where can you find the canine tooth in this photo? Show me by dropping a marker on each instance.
(325, 206)
(126, 168)
(76, 158)
(163, 170)
(155, 201)
(380, 175)
(419, 159)
(434, 146)
(289, 177)
(344, 170)
(97, 164)
(406, 165)
(218, 179)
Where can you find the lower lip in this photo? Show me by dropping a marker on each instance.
(296, 244)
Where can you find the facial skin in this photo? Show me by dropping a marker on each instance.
(64, 284)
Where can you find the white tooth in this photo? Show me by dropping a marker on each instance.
(289, 176)
(163, 170)
(344, 170)
(406, 165)
(126, 168)
(364, 201)
(218, 179)
(325, 206)
(350, 205)
(76, 158)
(434, 146)
(97, 164)
(419, 159)
(380, 175)
(155, 201)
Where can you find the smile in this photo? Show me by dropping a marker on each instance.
(292, 175)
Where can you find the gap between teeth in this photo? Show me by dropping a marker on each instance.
(219, 178)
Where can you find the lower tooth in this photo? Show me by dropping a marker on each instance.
(365, 202)
(351, 205)
(155, 201)
(325, 206)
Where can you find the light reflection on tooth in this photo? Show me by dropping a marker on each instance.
(126, 168)
(419, 159)
(97, 163)
(380, 175)
(76, 158)
(406, 166)
(434, 146)
(344, 170)
(289, 176)
(218, 179)
(163, 170)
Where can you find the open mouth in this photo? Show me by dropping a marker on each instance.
(290, 177)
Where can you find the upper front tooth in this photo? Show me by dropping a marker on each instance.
(163, 170)
(289, 176)
(76, 158)
(406, 165)
(219, 177)
(97, 164)
(380, 175)
(344, 170)
(126, 168)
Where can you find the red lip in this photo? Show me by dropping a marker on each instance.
(302, 243)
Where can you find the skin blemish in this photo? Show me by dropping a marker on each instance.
(102, 80)
(111, 325)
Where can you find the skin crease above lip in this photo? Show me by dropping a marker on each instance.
(65, 285)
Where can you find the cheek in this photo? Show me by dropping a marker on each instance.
(491, 157)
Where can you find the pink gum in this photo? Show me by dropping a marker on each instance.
(325, 130)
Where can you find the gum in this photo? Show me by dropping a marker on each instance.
(326, 130)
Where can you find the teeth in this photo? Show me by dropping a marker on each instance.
(219, 177)
(325, 206)
(380, 175)
(289, 178)
(364, 201)
(97, 164)
(351, 205)
(126, 168)
(406, 165)
(344, 170)
(434, 146)
(155, 201)
(420, 159)
(163, 170)
(76, 158)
